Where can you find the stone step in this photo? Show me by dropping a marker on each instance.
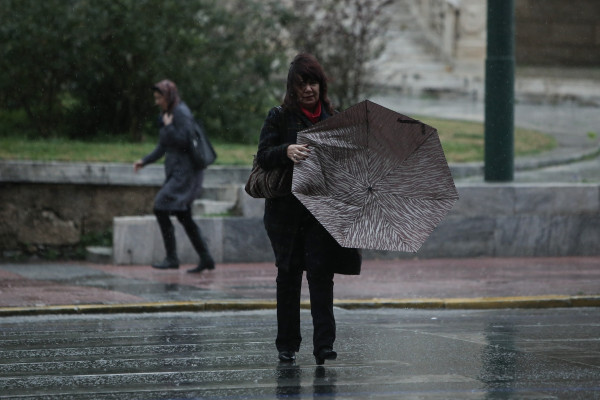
(205, 207)
(137, 240)
(99, 254)
(220, 192)
(418, 82)
(411, 63)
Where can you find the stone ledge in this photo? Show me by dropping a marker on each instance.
(107, 173)
(493, 220)
(152, 175)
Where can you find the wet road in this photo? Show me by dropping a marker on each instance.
(383, 354)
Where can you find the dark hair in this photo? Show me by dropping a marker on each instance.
(169, 90)
(305, 67)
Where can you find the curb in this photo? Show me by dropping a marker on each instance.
(526, 163)
(479, 303)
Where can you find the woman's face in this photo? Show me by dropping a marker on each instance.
(160, 101)
(307, 93)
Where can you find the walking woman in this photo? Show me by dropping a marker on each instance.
(183, 182)
(299, 241)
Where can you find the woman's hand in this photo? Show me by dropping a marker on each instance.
(138, 165)
(298, 152)
(167, 119)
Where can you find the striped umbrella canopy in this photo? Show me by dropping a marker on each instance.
(375, 179)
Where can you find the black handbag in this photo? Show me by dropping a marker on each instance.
(268, 184)
(202, 152)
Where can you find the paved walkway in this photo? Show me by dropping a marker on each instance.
(77, 287)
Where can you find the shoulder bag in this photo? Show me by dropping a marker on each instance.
(268, 184)
(201, 150)
(272, 183)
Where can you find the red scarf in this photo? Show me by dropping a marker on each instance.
(313, 116)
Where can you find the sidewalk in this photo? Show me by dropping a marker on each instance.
(476, 283)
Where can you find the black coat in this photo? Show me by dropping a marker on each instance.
(285, 217)
(183, 183)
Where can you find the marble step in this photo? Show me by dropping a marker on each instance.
(220, 192)
(213, 207)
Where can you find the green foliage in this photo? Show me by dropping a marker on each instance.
(103, 238)
(86, 66)
(36, 57)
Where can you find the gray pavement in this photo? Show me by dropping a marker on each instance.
(382, 354)
(83, 287)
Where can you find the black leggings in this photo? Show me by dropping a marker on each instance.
(168, 231)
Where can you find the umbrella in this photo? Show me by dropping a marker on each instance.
(375, 179)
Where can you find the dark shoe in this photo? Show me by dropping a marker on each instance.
(167, 263)
(325, 354)
(287, 356)
(207, 263)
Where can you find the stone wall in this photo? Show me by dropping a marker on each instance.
(46, 214)
(54, 204)
(558, 33)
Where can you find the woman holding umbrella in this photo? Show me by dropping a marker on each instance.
(299, 241)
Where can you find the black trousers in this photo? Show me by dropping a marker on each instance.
(168, 231)
(288, 310)
(320, 285)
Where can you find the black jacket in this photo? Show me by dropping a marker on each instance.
(182, 182)
(285, 216)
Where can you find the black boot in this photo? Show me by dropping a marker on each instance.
(168, 234)
(167, 263)
(325, 354)
(193, 232)
(206, 262)
(287, 356)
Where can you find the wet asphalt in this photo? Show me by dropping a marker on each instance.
(382, 354)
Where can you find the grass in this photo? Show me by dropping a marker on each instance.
(462, 142)
(14, 148)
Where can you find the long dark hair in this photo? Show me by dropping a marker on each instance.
(305, 67)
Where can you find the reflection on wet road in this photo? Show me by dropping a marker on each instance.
(383, 354)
